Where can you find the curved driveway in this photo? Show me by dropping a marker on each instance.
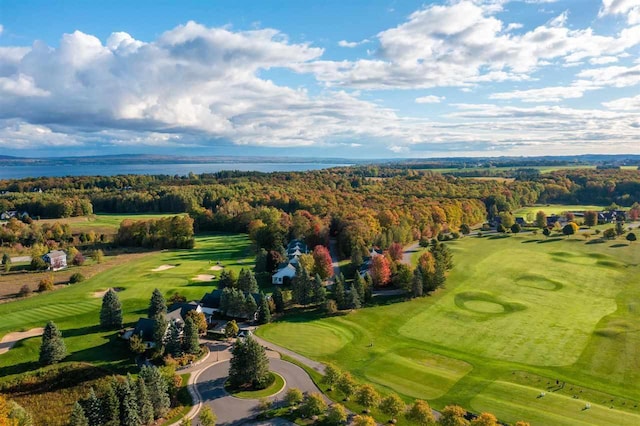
(235, 411)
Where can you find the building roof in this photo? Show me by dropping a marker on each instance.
(144, 328)
(286, 271)
(182, 308)
(56, 253)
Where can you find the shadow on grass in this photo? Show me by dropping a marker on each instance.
(498, 237)
(550, 240)
(595, 242)
(619, 245)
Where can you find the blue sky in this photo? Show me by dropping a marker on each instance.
(361, 79)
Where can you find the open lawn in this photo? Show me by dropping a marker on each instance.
(103, 223)
(76, 311)
(517, 313)
(550, 209)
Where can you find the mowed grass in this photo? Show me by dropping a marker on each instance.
(104, 223)
(560, 308)
(75, 309)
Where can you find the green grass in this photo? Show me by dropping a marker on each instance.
(557, 309)
(104, 222)
(76, 311)
(550, 209)
(272, 389)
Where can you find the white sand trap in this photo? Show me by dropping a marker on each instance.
(11, 339)
(163, 268)
(103, 292)
(217, 268)
(203, 277)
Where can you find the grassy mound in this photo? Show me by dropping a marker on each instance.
(275, 385)
(538, 281)
(486, 303)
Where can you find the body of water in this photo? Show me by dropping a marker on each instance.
(18, 172)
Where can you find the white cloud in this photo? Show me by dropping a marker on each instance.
(513, 26)
(631, 8)
(1, 29)
(624, 104)
(464, 43)
(546, 94)
(429, 99)
(351, 44)
(603, 60)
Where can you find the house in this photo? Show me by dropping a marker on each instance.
(520, 221)
(363, 269)
(56, 259)
(145, 330)
(177, 312)
(285, 273)
(611, 216)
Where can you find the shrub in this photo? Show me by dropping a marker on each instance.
(293, 396)
(38, 264)
(76, 278)
(78, 259)
(46, 284)
(25, 290)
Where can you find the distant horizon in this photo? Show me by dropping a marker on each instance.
(363, 79)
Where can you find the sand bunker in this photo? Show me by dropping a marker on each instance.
(103, 292)
(203, 277)
(163, 268)
(11, 339)
(217, 268)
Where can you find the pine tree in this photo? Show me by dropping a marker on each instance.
(144, 402)
(338, 293)
(110, 406)
(249, 364)
(157, 305)
(53, 348)
(250, 306)
(158, 390)
(416, 283)
(301, 286)
(93, 409)
(368, 288)
(278, 299)
(247, 281)
(78, 418)
(318, 292)
(227, 279)
(191, 340)
(264, 313)
(111, 311)
(159, 333)
(174, 346)
(128, 404)
(353, 300)
(359, 285)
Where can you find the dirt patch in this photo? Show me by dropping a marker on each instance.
(217, 268)
(204, 277)
(11, 283)
(11, 339)
(162, 268)
(103, 292)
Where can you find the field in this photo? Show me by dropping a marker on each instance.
(102, 223)
(550, 209)
(520, 315)
(75, 308)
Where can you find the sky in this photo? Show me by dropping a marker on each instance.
(349, 78)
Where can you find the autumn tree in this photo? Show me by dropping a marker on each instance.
(392, 405)
(380, 271)
(346, 384)
(570, 229)
(207, 417)
(396, 252)
(313, 405)
(199, 319)
(590, 218)
(293, 396)
(541, 219)
(453, 415)
(367, 396)
(361, 420)
(331, 375)
(485, 419)
(336, 415)
(420, 412)
(323, 265)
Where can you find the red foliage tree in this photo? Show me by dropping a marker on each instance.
(395, 251)
(323, 264)
(380, 271)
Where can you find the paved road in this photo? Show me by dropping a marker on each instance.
(318, 366)
(235, 411)
(409, 251)
(333, 251)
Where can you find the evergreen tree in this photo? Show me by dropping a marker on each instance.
(368, 288)
(339, 293)
(78, 417)
(250, 306)
(93, 409)
(278, 299)
(157, 305)
(159, 333)
(264, 313)
(417, 283)
(249, 364)
(6, 262)
(191, 342)
(247, 281)
(128, 404)
(53, 348)
(301, 286)
(227, 279)
(144, 402)
(158, 390)
(174, 346)
(110, 406)
(359, 285)
(353, 300)
(111, 311)
(319, 294)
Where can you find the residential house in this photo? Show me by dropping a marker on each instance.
(287, 270)
(211, 302)
(284, 274)
(145, 330)
(56, 259)
(177, 312)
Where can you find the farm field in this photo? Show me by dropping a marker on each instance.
(103, 223)
(518, 314)
(75, 309)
